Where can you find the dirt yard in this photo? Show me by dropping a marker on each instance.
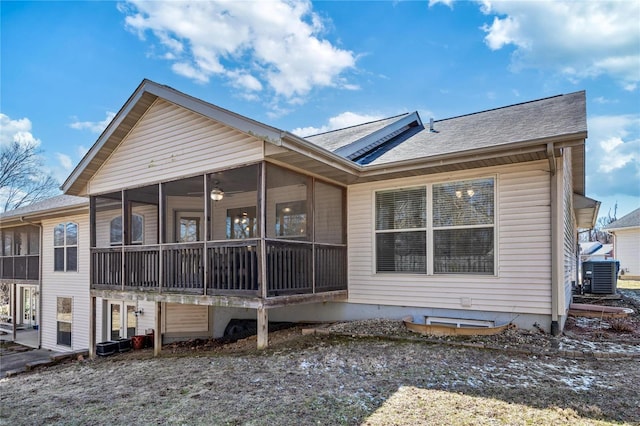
(348, 377)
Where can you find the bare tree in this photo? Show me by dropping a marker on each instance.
(22, 176)
(597, 233)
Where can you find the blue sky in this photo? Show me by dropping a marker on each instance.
(68, 67)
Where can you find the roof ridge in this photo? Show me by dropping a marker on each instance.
(509, 106)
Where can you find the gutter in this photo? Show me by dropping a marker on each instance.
(12, 221)
(302, 146)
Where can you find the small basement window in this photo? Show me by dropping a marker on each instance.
(458, 322)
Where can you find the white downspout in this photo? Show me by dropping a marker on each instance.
(555, 237)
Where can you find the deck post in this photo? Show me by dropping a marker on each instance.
(92, 328)
(157, 334)
(14, 311)
(263, 327)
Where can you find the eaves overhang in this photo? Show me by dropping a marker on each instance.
(39, 216)
(529, 150)
(307, 156)
(586, 211)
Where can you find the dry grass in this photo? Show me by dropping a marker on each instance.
(328, 380)
(629, 284)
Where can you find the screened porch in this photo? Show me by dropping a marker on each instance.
(255, 231)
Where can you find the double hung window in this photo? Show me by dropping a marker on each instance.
(401, 230)
(453, 220)
(65, 247)
(463, 222)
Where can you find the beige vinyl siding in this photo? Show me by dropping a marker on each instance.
(570, 231)
(170, 142)
(627, 251)
(523, 262)
(186, 318)
(73, 284)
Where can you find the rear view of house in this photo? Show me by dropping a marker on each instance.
(199, 215)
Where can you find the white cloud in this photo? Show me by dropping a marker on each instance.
(580, 39)
(93, 126)
(275, 44)
(445, 2)
(16, 131)
(65, 161)
(346, 119)
(613, 162)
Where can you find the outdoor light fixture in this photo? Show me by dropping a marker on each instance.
(138, 312)
(217, 194)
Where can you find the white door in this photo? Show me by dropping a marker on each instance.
(29, 306)
(122, 320)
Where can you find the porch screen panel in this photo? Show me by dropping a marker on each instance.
(401, 235)
(288, 206)
(328, 213)
(463, 226)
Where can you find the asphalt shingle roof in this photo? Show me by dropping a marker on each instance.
(53, 203)
(336, 139)
(631, 220)
(538, 119)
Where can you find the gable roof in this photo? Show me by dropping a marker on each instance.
(50, 207)
(393, 147)
(629, 221)
(133, 110)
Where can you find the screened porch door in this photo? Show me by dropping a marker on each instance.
(122, 320)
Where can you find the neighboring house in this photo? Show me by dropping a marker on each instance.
(626, 244)
(603, 253)
(199, 215)
(594, 250)
(44, 272)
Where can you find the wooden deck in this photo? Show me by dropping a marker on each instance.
(222, 268)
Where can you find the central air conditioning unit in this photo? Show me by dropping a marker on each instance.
(600, 277)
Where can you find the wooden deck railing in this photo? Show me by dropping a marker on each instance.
(289, 267)
(106, 267)
(233, 267)
(25, 267)
(229, 268)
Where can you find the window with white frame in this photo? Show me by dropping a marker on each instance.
(64, 318)
(137, 230)
(461, 229)
(401, 230)
(65, 247)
